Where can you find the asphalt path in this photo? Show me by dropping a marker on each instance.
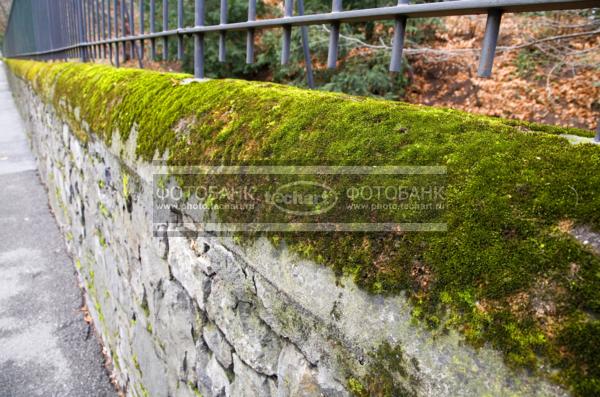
(46, 347)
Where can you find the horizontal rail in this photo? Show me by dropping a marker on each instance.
(451, 8)
(85, 29)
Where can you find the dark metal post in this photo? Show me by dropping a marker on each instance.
(180, 26)
(153, 29)
(50, 17)
(85, 24)
(398, 44)
(123, 30)
(64, 32)
(334, 37)
(490, 39)
(132, 46)
(307, 58)
(56, 29)
(109, 29)
(222, 33)
(165, 28)
(92, 26)
(131, 19)
(597, 138)
(142, 27)
(287, 32)
(103, 11)
(96, 10)
(81, 24)
(250, 33)
(87, 27)
(74, 28)
(199, 41)
(97, 30)
(116, 21)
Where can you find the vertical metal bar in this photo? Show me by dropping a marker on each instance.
(64, 11)
(165, 27)
(307, 58)
(42, 11)
(72, 27)
(250, 33)
(89, 12)
(47, 29)
(86, 22)
(77, 53)
(597, 138)
(142, 27)
(123, 30)
(131, 19)
(59, 26)
(97, 24)
(398, 43)
(64, 26)
(287, 32)
(116, 23)
(74, 21)
(96, 5)
(222, 34)
(334, 37)
(92, 33)
(36, 35)
(109, 29)
(179, 26)
(490, 39)
(96, 18)
(199, 41)
(153, 28)
(132, 46)
(49, 13)
(81, 24)
(103, 11)
(91, 27)
(51, 21)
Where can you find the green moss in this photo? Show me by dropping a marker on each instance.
(62, 205)
(125, 185)
(103, 210)
(145, 307)
(143, 391)
(101, 238)
(355, 387)
(194, 389)
(136, 364)
(387, 375)
(115, 359)
(509, 185)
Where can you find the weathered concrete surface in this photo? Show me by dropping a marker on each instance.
(46, 348)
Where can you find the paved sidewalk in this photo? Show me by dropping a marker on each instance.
(46, 349)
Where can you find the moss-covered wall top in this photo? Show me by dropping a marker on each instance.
(507, 271)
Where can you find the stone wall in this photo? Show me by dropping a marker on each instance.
(185, 316)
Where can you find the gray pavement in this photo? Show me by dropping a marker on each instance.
(46, 348)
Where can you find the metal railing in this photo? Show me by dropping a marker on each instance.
(89, 29)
